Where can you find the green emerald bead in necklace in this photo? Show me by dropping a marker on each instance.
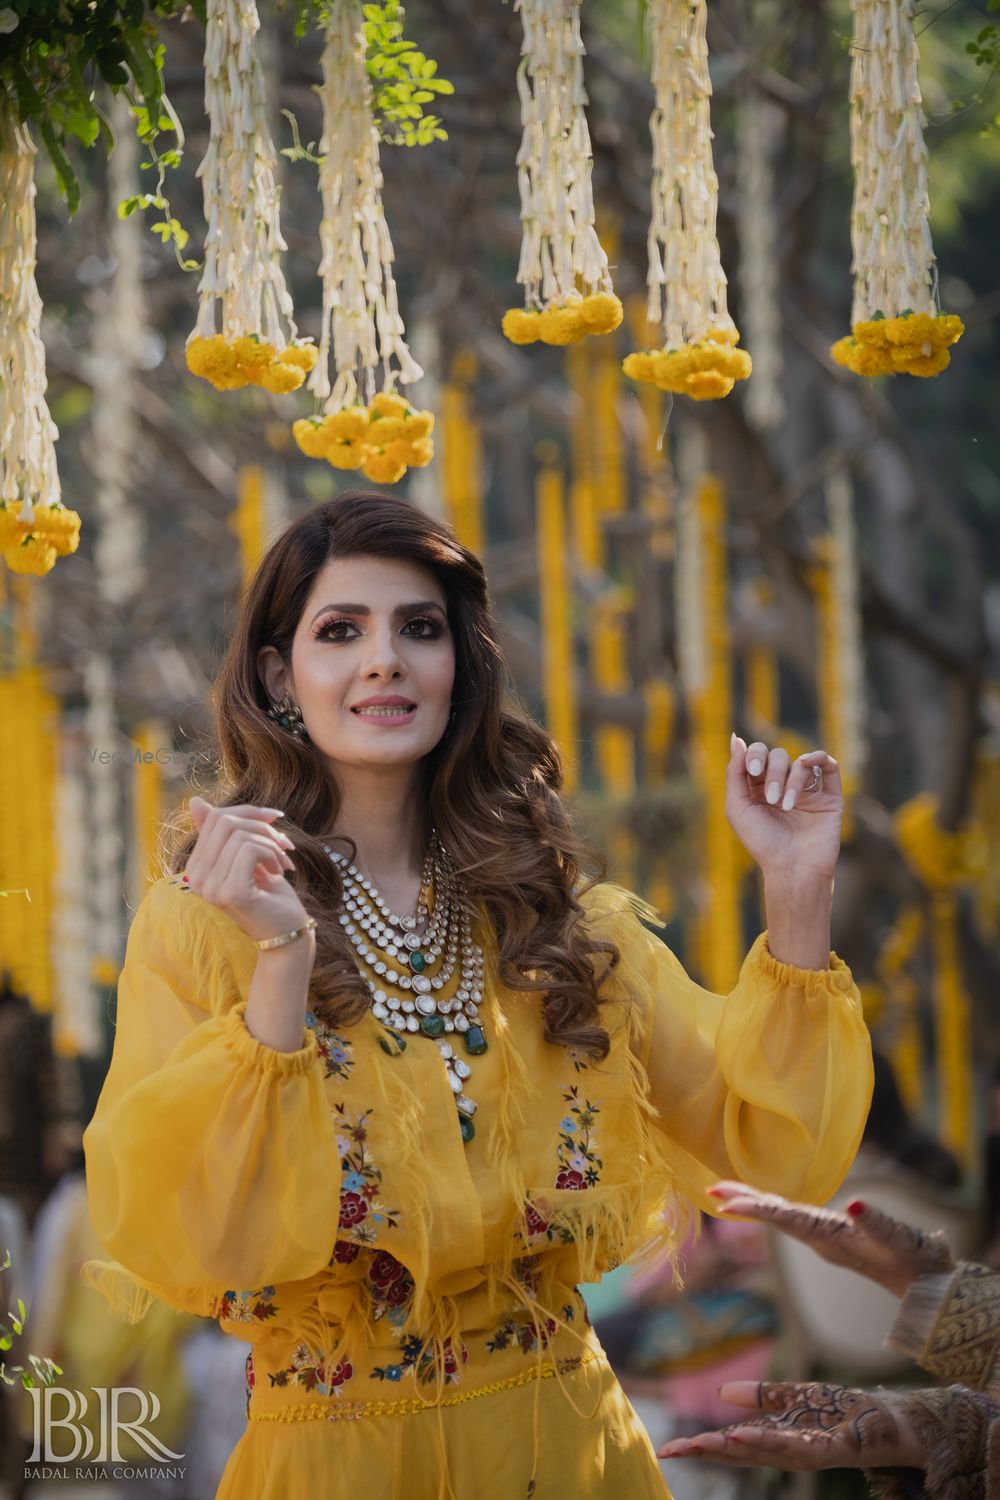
(432, 1025)
(467, 1128)
(417, 961)
(475, 1041)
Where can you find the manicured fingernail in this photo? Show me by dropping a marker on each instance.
(276, 812)
(789, 801)
(695, 1449)
(856, 1209)
(754, 767)
(773, 791)
(713, 1193)
(732, 742)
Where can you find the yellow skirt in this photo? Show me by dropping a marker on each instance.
(548, 1434)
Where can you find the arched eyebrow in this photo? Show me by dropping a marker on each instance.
(363, 609)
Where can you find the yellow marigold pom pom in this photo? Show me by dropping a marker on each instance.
(383, 468)
(279, 379)
(923, 364)
(33, 555)
(415, 455)
(388, 404)
(602, 313)
(385, 430)
(707, 385)
(346, 453)
(302, 355)
(871, 331)
(209, 358)
(639, 365)
(521, 326)
(59, 527)
(420, 426)
(561, 325)
(253, 354)
(948, 329)
(352, 423)
(724, 336)
(233, 379)
(11, 528)
(311, 436)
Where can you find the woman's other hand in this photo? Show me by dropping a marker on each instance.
(810, 1426)
(863, 1239)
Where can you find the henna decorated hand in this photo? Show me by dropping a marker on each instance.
(809, 1426)
(863, 1240)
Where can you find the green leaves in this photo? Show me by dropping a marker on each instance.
(55, 53)
(403, 79)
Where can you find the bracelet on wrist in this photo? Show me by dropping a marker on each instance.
(285, 937)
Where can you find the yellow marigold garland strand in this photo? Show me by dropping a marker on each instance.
(896, 327)
(35, 527)
(687, 286)
(563, 268)
(242, 273)
(943, 861)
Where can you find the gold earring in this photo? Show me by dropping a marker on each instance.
(289, 716)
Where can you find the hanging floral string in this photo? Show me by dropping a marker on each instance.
(242, 280)
(897, 326)
(687, 286)
(360, 307)
(35, 527)
(563, 268)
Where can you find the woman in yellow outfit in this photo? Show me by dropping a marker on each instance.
(380, 1107)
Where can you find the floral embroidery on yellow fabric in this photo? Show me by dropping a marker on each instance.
(308, 1369)
(247, 1307)
(360, 1210)
(415, 1356)
(336, 1051)
(579, 1164)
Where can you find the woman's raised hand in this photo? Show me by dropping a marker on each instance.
(786, 813)
(238, 864)
(809, 1425)
(863, 1240)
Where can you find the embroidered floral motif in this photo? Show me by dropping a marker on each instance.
(390, 1287)
(251, 1380)
(417, 1356)
(309, 1370)
(521, 1334)
(247, 1307)
(335, 1050)
(344, 1253)
(360, 1209)
(579, 1164)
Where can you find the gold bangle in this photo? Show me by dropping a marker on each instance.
(286, 937)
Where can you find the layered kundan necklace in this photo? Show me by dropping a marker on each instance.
(407, 961)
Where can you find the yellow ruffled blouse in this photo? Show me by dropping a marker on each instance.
(410, 1301)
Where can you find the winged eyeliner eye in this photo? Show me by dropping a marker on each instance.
(435, 628)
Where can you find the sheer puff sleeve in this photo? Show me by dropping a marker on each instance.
(212, 1158)
(770, 1084)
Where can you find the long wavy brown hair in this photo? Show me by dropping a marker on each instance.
(490, 786)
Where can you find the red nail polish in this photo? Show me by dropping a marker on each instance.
(712, 1193)
(856, 1209)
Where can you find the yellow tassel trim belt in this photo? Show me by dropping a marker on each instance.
(354, 1411)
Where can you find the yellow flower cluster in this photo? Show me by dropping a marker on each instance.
(249, 360)
(383, 440)
(33, 546)
(940, 858)
(705, 370)
(912, 344)
(568, 324)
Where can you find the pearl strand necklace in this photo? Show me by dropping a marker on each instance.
(387, 944)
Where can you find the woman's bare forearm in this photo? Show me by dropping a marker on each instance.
(279, 994)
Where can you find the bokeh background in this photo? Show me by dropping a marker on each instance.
(813, 561)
